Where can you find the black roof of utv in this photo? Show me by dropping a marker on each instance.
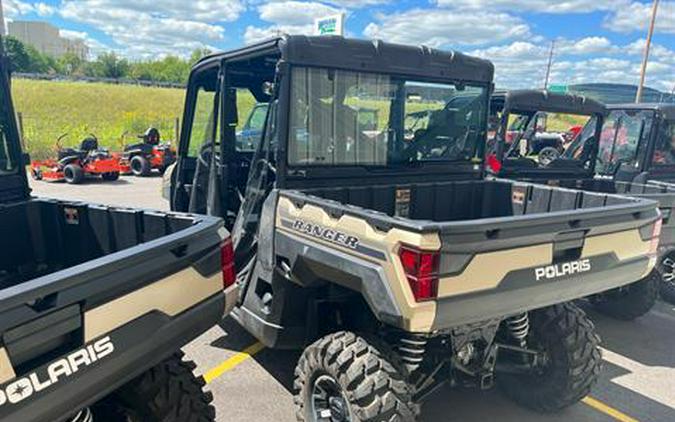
(668, 110)
(541, 100)
(364, 55)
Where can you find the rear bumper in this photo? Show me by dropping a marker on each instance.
(136, 347)
(519, 292)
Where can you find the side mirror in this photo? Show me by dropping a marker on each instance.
(25, 159)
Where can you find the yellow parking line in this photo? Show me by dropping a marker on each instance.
(607, 410)
(251, 350)
(232, 362)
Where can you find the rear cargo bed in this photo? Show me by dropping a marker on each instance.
(56, 253)
(505, 247)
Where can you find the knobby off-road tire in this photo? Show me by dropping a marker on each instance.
(632, 301)
(573, 360)
(667, 283)
(140, 167)
(365, 374)
(168, 392)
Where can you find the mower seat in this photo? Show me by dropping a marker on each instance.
(89, 144)
(143, 148)
(68, 152)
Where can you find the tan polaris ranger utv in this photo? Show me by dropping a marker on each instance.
(96, 302)
(378, 247)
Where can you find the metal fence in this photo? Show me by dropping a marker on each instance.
(91, 79)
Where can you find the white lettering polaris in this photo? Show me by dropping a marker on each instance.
(561, 270)
(24, 387)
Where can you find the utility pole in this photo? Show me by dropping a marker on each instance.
(645, 59)
(550, 63)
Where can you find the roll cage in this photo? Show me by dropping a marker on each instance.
(264, 70)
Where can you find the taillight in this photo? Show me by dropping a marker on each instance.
(494, 164)
(227, 263)
(654, 243)
(421, 270)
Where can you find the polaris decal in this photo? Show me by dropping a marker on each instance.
(58, 371)
(562, 270)
(327, 234)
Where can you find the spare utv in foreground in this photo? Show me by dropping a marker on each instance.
(379, 249)
(96, 302)
(605, 157)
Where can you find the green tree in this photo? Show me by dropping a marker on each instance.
(108, 65)
(17, 54)
(70, 64)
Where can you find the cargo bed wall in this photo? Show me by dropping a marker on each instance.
(472, 200)
(447, 201)
(43, 236)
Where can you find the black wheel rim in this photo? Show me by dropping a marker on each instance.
(135, 166)
(328, 401)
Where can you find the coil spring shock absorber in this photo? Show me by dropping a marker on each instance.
(411, 348)
(83, 415)
(519, 327)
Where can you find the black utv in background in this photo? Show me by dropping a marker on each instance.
(606, 156)
(96, 302)
(366, 235)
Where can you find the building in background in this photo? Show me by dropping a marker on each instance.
(47, 39)
(2, 20)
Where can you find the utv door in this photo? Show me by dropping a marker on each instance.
(198, 136)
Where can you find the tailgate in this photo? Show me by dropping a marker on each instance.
(66, 329)
(562, 245)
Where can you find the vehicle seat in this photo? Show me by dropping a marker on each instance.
(89, 144)
(68, 152)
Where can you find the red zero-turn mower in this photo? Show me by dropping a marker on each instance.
(73, 165)
(151, 154)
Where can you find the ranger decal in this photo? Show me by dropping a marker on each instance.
(324, 233)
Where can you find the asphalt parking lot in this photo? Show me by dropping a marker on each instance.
(251, 383)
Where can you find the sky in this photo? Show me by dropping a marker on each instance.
(595, 40)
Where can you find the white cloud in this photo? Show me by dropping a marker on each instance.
(636, 17)
(16, 8)
(535, 6)
(585, 46)
(522, 64)
(145, 28)
(442, 28)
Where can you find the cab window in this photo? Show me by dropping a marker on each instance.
(203, 121)
(664, 151)
(622, 135)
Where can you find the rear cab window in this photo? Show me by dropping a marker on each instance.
(623, 139)
(664, 149)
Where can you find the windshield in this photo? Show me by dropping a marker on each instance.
(342, 118)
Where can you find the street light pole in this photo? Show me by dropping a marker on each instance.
(550, 63)
(645, 59)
